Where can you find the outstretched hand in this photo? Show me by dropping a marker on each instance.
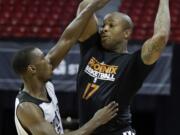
(107, 113)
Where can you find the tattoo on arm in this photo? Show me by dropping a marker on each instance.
(155, 48)
(152, 50)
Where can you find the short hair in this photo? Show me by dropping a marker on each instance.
(22, 59)
(127, 22)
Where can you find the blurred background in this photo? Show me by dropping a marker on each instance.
(40, 23)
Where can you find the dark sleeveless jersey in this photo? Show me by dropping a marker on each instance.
(106, 76)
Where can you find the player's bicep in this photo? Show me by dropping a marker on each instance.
(32, 119)
(92, 26)
(90, 29)
(152, 49)
(58, 52)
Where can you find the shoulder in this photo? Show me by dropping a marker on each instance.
(136, 55)
(28, 113)
(94, 37)
(136, 58)
(24, 97)
(30, 116)
(25, 107)
(50, 88)
(49, 84)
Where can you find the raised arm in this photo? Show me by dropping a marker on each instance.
(73, 32)
(34, 122)
(92, 26)
(154, 46)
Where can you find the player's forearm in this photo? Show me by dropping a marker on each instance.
(75, 29)
(91, 27)
(71, 34)
(153, 47)
(162, 21)
(82, 5)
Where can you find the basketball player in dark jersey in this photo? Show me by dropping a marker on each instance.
(109, 72)
(36, 110)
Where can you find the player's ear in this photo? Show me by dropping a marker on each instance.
(127, 33)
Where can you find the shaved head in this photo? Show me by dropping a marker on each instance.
(116, 31)
(123, 18)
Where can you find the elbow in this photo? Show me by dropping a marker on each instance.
(163, 34)
(163, 37)
(69, 42)
(67, 38)
(82, 5)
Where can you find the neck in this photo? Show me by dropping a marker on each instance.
(35, 87)
(121, 47)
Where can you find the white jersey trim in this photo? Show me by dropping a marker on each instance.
(50, 110)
